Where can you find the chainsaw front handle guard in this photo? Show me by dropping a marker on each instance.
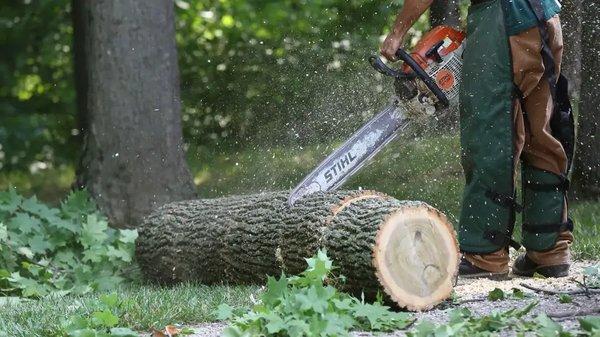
(419, 72)
(429, 82)
(382, 68)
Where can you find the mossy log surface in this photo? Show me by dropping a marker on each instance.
(405, 247)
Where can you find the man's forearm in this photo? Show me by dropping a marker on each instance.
(409, 14)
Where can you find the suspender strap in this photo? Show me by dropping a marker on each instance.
(547, 57)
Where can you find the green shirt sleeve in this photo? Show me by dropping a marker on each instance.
(520, 16)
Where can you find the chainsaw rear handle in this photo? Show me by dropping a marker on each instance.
(419, 72)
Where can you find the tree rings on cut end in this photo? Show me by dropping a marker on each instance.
(416, 256)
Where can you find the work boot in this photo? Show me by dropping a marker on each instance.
(550, 263)
(525, 266)
(492, 266)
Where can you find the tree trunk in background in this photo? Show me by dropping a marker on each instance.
(588, 139)
(406, 248)
(571, 23)
(129, 106)
(445, 12)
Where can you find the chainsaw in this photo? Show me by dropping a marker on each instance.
(426, 87)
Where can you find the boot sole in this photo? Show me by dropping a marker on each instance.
(561, 270)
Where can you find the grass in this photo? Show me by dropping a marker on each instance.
(144, 307)
(425, 169)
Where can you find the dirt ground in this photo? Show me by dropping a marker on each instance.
(476, 290)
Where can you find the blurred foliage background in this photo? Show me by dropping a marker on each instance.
(254, 72)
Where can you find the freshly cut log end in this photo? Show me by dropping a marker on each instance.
(405, 249)
(416, 257)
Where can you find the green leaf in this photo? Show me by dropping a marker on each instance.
(110, 300)
(93, 230)
(39, 244)
(25, 223)
(3, 235)
(518, 293)
(118, 253)
(10, 201)
(128, 235)
(423, 329)
(275, 290)
(187, 331)
(565, 298)
(275, 323)
(496, 295)
(105, 319)
(224, 312)
(33, 206)
(590, 323)
(78, 203)
(549, 328)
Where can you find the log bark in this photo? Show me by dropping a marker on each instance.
(406, 248)
(127, 82)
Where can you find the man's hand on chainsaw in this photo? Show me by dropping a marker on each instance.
(408, 15)
(390, 45)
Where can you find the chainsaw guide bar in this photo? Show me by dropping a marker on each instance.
(354, 153)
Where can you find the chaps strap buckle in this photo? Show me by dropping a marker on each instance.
(504, 200)
(549, 228)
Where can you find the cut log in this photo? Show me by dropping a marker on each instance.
(405, 248)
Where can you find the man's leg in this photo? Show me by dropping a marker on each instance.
(544, 162)
(486, 121)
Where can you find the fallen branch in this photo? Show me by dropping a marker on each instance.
(559, 292)
(570, 314)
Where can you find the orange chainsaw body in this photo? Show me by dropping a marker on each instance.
(451, 38)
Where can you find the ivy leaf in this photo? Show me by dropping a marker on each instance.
(33, 206)
(78, 203)
(423, 329)
(25, 223)
(275, 290)
(496, 295)
(3, 234)
(93, 230)
(590, 323)
(105, 319)
(110, 300)
(549, 328)
(39, 244)
(107, 282)
(10, 201)
(128, 235)
(118, 253)
(224, 312)
(375, 314)
(275, 323)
